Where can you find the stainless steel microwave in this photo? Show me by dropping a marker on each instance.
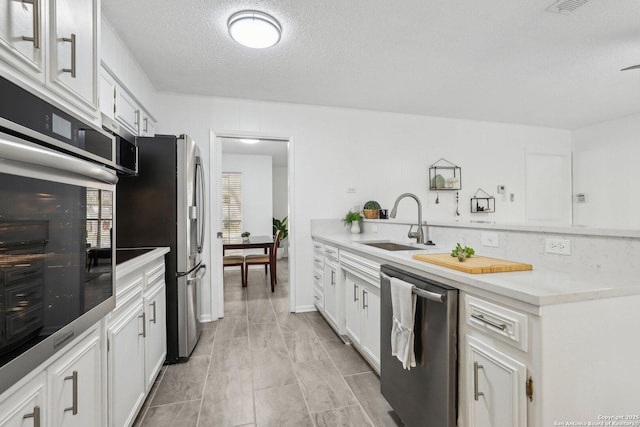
(57, 196)
(126, 148)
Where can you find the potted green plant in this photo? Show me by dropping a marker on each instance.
(371, 209)
(353, 219)
(284, 233)
(245, 235)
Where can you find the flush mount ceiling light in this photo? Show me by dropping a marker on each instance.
(250, 141)
(254, 29)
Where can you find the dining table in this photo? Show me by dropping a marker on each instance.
(254, 242)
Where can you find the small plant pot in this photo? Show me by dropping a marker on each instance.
(371, 213)
(355, 227)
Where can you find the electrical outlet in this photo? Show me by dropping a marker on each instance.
(351, 190)
(558, 246)
(490, 239)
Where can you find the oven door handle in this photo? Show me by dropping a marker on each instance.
(29, 153)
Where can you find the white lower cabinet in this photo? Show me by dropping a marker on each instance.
(27, 405)
(75, 391)
(156, 331)
(136, 333)
(330, 291)
(362, 317)
(496, 392)
(126, 361)
(66, 392)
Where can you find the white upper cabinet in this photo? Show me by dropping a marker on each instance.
(22, 34)
(127, 111)
(73, 41)
(107, 98)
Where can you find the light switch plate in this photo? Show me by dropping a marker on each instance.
(490, 239)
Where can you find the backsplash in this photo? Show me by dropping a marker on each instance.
(589, 253)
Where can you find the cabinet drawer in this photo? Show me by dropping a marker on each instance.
(17, 274)
(23, 321)
(318, 263)
(497, 321)
(318, 299)
(331, 252)
(23, 295)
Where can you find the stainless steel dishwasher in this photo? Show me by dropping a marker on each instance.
(427, 394)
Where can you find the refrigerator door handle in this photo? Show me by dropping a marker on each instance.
(203, 202)
(201, 272)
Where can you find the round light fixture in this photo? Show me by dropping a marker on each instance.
(254, 29)
(250, 141)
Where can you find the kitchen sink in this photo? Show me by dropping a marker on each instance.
(392, 246)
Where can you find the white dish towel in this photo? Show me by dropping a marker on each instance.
(403, 303)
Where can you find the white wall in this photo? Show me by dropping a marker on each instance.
(605, 169)
(379, 154)
(115, 55)
(280, 189)
(257, 197)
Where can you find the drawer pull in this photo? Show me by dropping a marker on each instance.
(144, 325)
(355, 293)
(153, 304)
(476, 393)
(496, 325)
(74, 402)
(35, 415)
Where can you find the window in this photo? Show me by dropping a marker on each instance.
(231, 206)
(99, 218)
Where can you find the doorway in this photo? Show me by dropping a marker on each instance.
(259, 169)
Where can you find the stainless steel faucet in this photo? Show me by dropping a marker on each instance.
(412, 234)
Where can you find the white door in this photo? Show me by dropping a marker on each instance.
(330, 302)
(496, 389)
(353, 310)
(75, 385)
(22, 36)
(73, 48)
(126, 365)
(370, 323)
(156, 342)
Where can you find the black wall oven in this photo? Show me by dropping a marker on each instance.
(56, 209)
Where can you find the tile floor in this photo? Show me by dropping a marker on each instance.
(264, 366)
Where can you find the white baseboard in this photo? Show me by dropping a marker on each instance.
(305, 308)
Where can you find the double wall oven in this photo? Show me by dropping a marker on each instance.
(57, 195)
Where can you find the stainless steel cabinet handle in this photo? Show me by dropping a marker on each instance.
(71, 70)
(36, 27)
(136, 120)
(355, 293)
(333, 278)
(476, 393)
(145, 128)
(144, 325)
(35, 415)
(364, 300)
(74, 404)
(317, 277)
(153, 304)
(481, 318)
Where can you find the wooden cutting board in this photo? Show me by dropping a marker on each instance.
(473, 265)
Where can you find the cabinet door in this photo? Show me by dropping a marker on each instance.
(127, 111)
(330, 303)
(73, 48)
(20, 20)
(26, 406)
(370, 323)
(126, 365)
(156, 341)
(107, 98)
(75, 393)
(496, 389)
(148, 126)
(352, 312)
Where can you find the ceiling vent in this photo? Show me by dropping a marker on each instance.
(566, 7)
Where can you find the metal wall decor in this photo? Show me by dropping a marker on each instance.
(483, 202)
(444, 175)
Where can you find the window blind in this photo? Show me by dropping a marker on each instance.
(99, 218)
(231, 205)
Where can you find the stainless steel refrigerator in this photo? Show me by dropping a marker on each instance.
(164, 205)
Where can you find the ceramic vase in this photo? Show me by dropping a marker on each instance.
(355, 227)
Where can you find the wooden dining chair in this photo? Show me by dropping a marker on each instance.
(234, 261)
(266, 260)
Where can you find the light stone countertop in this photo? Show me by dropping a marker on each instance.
(139, 261)
(538, 287)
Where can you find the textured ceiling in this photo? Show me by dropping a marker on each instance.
(497, 60)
